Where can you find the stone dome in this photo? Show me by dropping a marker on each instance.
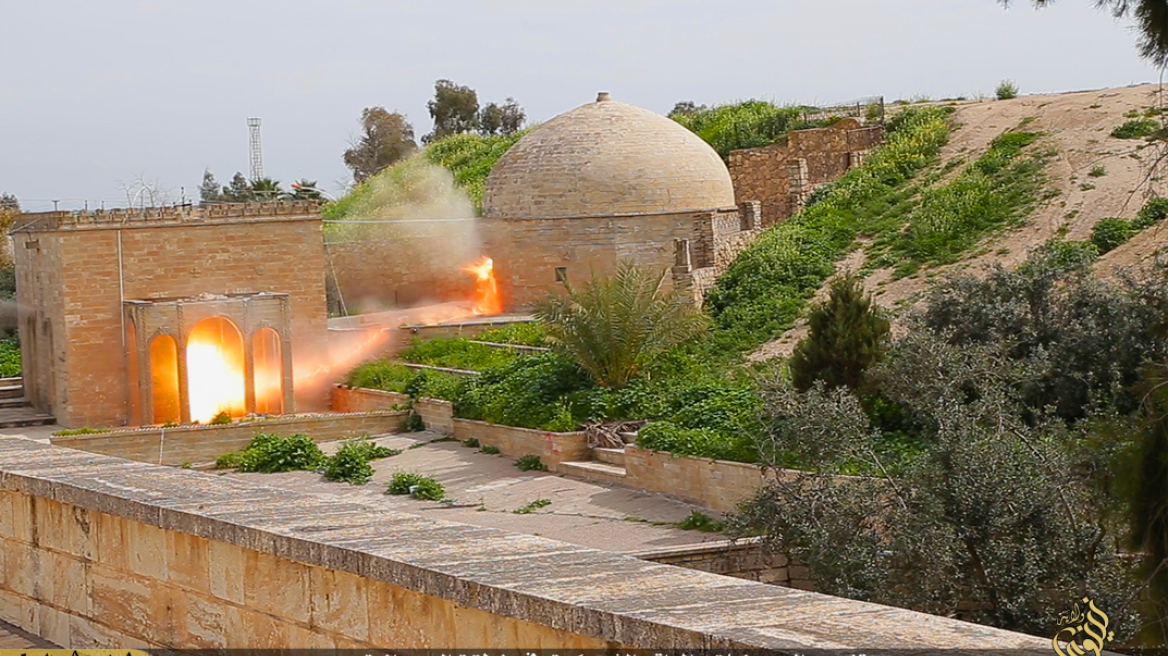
(606, 158)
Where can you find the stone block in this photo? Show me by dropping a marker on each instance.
(204, 625)
(476, 627)
(64, 528)
(54, 625)
(19, 611)
(64, 583)
(339, 602)
(407, 619)
(122, 600)
(276, 585)
(145, 549)
(226, 564)
(186, 563)
(248, 629)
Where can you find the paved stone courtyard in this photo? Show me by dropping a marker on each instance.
(488, 489)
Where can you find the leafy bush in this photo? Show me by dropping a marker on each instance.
(381, 375)
(847, 335)
(747, 124)
(10, 366)
(700, 521)
(1154, 211)
(698, 442)
(525, 392)
(1006, 90)
(766, 287)
(1111, 232)
(351, 461)
(1136, 129)
(613, 325)
(270, 453)
(417, 486)
(222, 417)
(530, 462)
(415, 423)
(1097, 171)
(1087, 338)
(528, 333)
(455, 353)
(471, 442)
(489, 450)
(966, 520)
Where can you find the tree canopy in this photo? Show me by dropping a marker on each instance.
(386, 138)
(455, 109)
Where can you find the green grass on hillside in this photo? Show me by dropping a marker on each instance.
(765, 289)
(9, 357)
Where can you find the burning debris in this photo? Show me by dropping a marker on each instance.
(486, 299)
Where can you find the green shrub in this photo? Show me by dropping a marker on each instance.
(455, 353)
(79, 431)
(222, 417)
(269, 453)
(1111, 232)
(1154, 211)
(528, 508)
(698, 442)
(530, 462)
(1006, 90)
(415, 423)
(847, 335)
(489, 450)
(765, 288)
(10, 366)
(471, 442)
(747, 124)
(528, 333)
(1136, 129)
(417, 486)
(524, 392)
(381, 375)
(699, 521)
(1097, 171)
(351, 461)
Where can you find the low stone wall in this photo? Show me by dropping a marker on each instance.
(202, 444)
(101, 552)
(552, 448)
(351, 399)
(715, 484)
(742, 559)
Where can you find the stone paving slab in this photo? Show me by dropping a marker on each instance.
(488, 489)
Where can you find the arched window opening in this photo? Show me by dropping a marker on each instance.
(215, 365)
(269, 380)
(164, 380)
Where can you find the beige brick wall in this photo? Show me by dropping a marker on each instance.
(88, 579)
(761, 174)
(203, 444)
(348, 399)
(71, 279)
(715, 484)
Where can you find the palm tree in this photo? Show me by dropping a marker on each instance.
(1151, 18)
(613, 325)
(267, 189)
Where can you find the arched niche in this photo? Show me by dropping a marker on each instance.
(215, 370)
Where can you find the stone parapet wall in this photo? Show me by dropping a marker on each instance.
(154, 216)
(741, 559)
(349, 399)
(97, 551)
(782, 175)
(203, 444)
(715, 484)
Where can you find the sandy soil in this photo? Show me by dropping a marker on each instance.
(1078, 126)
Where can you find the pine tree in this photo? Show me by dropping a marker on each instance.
(209, 191)
(847, 336)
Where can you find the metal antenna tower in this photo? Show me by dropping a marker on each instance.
(257, 155)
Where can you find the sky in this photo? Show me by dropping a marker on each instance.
(95, 96)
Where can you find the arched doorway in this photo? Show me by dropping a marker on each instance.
(164, 380)
(215, 364)
(268, 376)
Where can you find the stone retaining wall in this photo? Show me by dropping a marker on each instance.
(349, 399)
(97, 551)
(203, 444)
(715, 484)
(741, 559)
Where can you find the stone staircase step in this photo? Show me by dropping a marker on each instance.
(11, 390)
(19, 402)
(600, 472)
(611, 456)
(31, 418)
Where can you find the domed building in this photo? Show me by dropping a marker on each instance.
(604, 183)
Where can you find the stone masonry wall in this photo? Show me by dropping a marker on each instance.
(80, 291)
(101, 552)
(822, 154)
(405, 271)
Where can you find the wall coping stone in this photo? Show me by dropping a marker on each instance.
(570, 588)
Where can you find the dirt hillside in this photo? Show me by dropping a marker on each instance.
(1078, 126)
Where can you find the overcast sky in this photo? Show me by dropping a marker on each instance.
(97, 94)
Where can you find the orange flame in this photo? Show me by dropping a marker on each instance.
(486, 289)
(214, 376)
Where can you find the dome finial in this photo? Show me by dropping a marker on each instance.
(603, 97)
